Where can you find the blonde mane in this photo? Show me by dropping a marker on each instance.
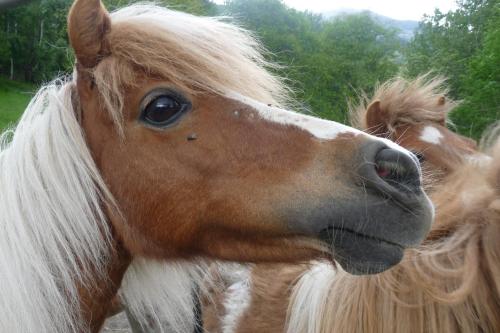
(451, 284)
(406, 102)
(195, 54)
(54, 231)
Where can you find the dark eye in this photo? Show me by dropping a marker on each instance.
(420, 156)
(163, 109)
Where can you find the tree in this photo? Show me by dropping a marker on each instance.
(33, 37)
(36, 40)
(326, 61)
(460, 45)
(481, 84)
(360, 53)
(447, 42)
(6, 60)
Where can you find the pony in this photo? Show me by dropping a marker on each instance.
(449, 284)
(414, 113)
(169, 144)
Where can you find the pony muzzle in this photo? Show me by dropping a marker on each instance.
(393, 212)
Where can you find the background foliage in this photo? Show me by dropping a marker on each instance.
(327, 61)
(463, 45)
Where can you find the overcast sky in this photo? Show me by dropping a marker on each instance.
(398, 9)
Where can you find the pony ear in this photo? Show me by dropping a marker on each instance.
(441, 100)
(88, 24)
(376, 119)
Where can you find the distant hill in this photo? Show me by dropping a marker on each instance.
(406, 27)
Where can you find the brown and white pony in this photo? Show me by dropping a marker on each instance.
(450, 284)
(163, 147)
(414, 113)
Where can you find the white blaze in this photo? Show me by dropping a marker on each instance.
(431, 134)
(319, 128)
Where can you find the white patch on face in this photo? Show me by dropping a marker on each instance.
(237, 299)
(320, 128)
(431, 134)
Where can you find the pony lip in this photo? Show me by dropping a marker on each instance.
(359, 253)
(333, 231)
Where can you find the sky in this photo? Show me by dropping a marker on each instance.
(398, 9)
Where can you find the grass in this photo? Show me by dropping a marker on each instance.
(14, 97)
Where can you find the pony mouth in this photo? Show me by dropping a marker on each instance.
(359, 253)
(328, 236)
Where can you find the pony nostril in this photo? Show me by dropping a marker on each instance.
(391, 170)
(397, 169)
(382, 172)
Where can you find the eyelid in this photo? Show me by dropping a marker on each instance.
(149, 97)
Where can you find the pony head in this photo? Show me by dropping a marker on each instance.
(414, 114)
(186, 127)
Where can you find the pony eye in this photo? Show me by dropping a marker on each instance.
(420, 156)
(163, 109)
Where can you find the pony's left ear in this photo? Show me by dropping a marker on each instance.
(88, 24)
(376, 119)
(442, 102)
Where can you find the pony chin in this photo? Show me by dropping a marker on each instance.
(361, 255)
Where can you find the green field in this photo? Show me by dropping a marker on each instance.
(14, 97)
